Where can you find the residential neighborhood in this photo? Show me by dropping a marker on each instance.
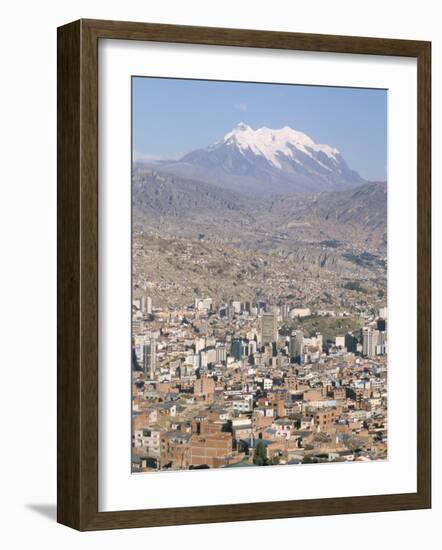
(221, 385)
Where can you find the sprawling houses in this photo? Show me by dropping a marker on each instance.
(216, 385)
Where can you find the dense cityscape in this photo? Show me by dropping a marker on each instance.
(259, 286)
(244, 384)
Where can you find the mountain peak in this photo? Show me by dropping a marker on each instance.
(241, 127)
(270, 161)
(274, 144)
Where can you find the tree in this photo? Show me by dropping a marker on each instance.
(260, 457)
(310, 460)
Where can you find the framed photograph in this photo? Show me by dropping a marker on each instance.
(243, 275)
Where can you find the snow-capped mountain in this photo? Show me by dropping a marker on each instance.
(267, 161)
(278, 147)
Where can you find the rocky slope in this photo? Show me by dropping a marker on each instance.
(341, 231)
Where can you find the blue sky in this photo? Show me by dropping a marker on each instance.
(172, 117)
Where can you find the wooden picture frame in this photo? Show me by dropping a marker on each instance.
(77, 226)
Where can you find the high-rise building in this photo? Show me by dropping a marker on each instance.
(200, 344)
(381, 347)
(318, 341)
(193, 359)
(220, 354)
(296, 347)
(252, 347)
(369, 341)
(285, 310)
(350, 342)
(269, 328)
(340, 342)
(239, 349)
(207, 356)
(145, 304)
(139, 349)
(150, 358)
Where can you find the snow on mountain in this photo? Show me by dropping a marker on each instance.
(267, 161)
(273, 143)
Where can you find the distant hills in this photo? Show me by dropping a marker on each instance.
(312, 227)
(275, 192)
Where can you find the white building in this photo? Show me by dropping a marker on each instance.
(300, 312)
(149, 439)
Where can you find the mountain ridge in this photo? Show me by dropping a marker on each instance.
(170, 204)
(266, 162)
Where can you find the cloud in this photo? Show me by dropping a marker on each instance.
(240, 107)
(137, 156)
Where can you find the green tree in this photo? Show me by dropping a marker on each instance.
(309, 460)
(260, 457)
